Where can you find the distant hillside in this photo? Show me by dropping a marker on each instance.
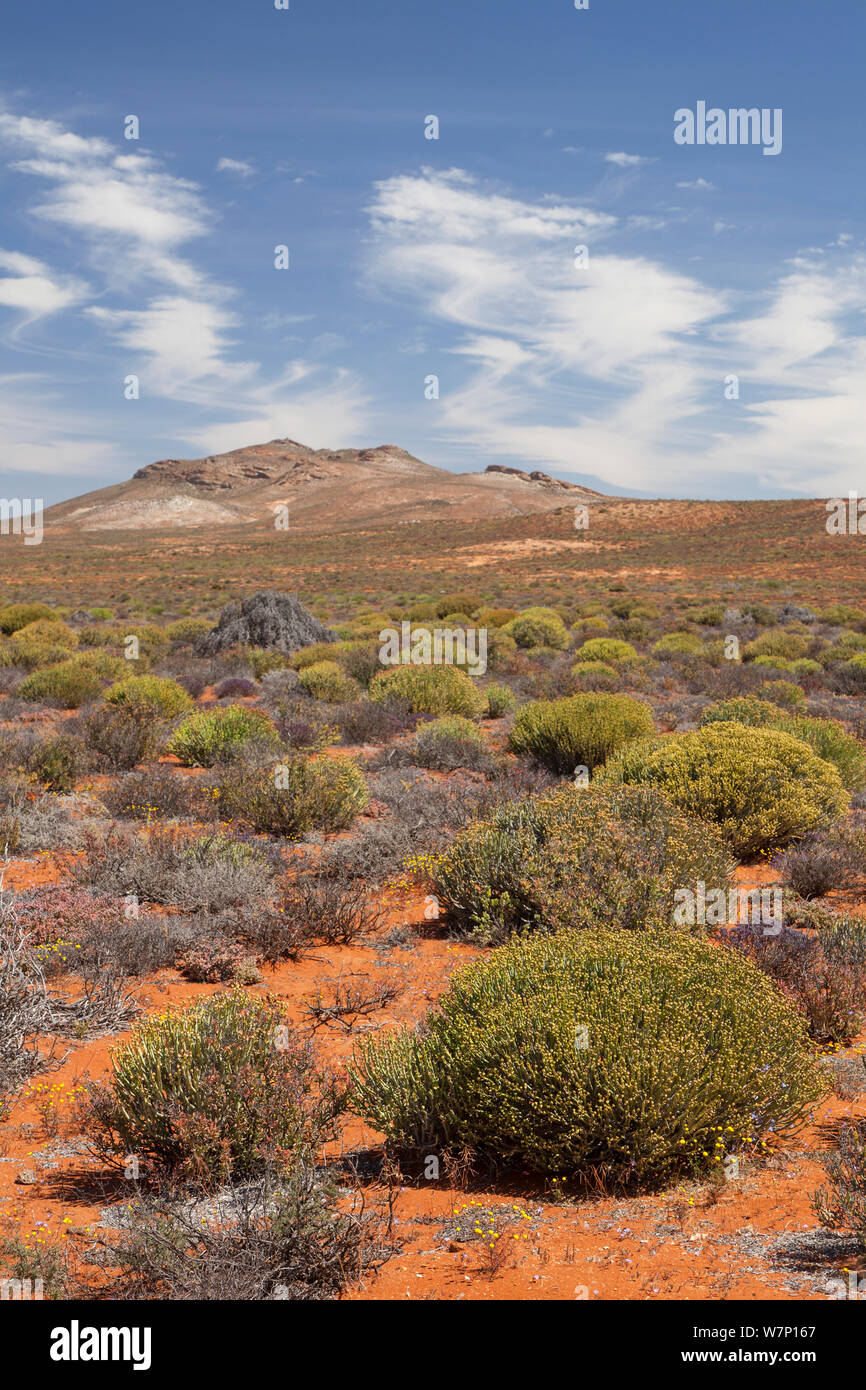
(321, 488)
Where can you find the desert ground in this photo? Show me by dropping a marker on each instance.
(155, 863)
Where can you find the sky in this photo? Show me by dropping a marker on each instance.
(554, 282)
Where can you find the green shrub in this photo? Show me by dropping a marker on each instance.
(308, 656)
(457, 603)
(622, 1058)
(594, 623)
(826, 737)
(295, 797)
(264, 659)
(17, 615)
(607, 649)
(707, 617)
(55, 762)
(499, 700)
(111, 668)
(491, 617)
(577, 858)
(538, 627)
(789, 645)
(206, 736)
(45, 631)
(207, 1092)
(326, 680)
(33, 656)
(579, 730)
(65, 686)
(595, 675)
(429, 690)
(839, 614)
(159, 695)
(187, 629)
(447, 743)
(678, 644)
(762, 787)
(783, 693)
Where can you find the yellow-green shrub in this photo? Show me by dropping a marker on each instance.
(205, 736)
(595, 675)
(576, 857)
(326, 680)
(538, 627)
(45, 631)
(579, 730)
(626, 1058)
(187, 629)
(762, 787)
(429, 690)
(826, 737)
(17, 615)
(608, 649)
(67, 686)
(678, 644)
(294, 797)
(206, 1093)
(789, 645)
(157, 694)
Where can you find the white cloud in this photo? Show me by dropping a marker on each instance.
(33, 288)
(241, 167)
(626, 161)
(616, 370)
(703, 184)
(131, 221)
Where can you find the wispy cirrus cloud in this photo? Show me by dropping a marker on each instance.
(133, 224)
(615, 370)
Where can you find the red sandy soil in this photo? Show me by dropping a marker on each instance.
(694, 1241)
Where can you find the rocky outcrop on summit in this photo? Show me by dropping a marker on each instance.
(287, 486)
(536, 476)
(267, 619)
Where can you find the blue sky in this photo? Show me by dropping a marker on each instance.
(454, 258)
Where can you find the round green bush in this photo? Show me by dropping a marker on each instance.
(447, 743)
(630, 1058)
(187, 629)
(789, 645)
(576, 857)
(53, 633)
(826, 737)
(326, 680)
(17, 615)
(429, 690)
(607, 649)
(500, 699)
(678, 644)
(66, 686)
(205, 736)
(538, 627)
(159, 695)
(762, 787)
(783, 693)
(207, 1093)
(295, 797)
(595, 675)
(579, 730)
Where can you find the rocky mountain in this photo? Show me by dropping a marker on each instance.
(319, 488)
